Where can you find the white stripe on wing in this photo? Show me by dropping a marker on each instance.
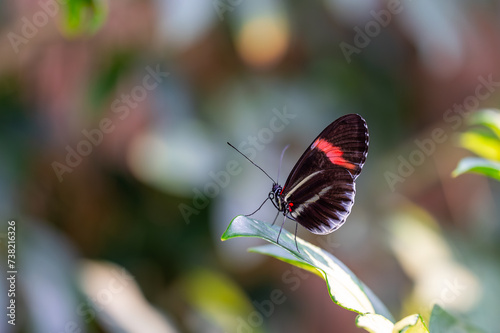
(300, 184)
(308, 202)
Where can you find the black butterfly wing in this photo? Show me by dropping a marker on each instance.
(344, 143)
(322, 201)
(321, 186)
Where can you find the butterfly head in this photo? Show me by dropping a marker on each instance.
(276, 196)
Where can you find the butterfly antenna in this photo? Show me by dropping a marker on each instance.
(251, 162)
(281, 160)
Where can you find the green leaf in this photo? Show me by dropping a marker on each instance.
(374, 323)
(344, 287)
(442, 321)
(481, 144)
(489, 118)
(478, 165)
(378, 324)
(411, 324)
(283, 255)
(84, 16)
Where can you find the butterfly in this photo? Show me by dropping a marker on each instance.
(319, 191)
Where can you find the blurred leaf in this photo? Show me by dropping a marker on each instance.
(84, 16)
(489, 118)
(481, 144)
(411, 324)
(345, 288)
(442, 321)
(107, 79)
(217, 297)
(478, 165)
(374, 323)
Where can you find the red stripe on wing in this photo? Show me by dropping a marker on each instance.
(333, 153)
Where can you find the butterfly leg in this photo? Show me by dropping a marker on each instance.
(282, 224)
(296, 225)
(258, 208)
(276, 218)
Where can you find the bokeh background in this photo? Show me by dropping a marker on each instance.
(114, 117)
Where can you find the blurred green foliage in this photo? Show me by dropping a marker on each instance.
(121, 203)
(83, 17)
(485, 143)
